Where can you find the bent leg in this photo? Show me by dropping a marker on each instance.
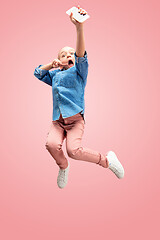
(76, 151)
(55, 138)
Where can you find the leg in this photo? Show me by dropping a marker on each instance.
(76, 151)
(55, 138)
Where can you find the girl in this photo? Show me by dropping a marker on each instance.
(68, 83)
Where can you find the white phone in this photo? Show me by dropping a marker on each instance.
(79, 17)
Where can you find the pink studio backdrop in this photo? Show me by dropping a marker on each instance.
(122, 114)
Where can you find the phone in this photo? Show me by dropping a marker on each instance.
(76, 15)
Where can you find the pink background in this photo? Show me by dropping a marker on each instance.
(122, 114)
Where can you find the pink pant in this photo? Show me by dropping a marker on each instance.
(71, 128)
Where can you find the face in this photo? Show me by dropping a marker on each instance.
(66, 56)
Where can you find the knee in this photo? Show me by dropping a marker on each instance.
(73, 153)
(54, 146)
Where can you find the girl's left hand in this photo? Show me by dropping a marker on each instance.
(81, 11)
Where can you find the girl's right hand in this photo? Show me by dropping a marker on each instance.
(56, 63)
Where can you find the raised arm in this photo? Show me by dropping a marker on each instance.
(80, 45)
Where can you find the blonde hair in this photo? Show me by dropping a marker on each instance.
(61, 50)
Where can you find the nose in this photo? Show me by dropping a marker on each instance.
(68, 55)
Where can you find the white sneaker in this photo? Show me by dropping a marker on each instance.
(115, 165)
(62, 178)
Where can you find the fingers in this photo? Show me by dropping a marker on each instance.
(56, 63)
(73, 20)
(64, 64)
(71, 16)
(81, 11)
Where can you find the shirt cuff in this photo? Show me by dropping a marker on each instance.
(42, 72)
(80, 59)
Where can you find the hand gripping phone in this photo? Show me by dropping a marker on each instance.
(76, 15)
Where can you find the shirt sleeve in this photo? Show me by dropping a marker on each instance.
(45, 76)
(81, 64)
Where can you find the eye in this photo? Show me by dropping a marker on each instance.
(63, 55)
(72, 53)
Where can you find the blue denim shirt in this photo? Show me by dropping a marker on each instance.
(68, 87)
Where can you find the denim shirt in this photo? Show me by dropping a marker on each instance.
(68, 87)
